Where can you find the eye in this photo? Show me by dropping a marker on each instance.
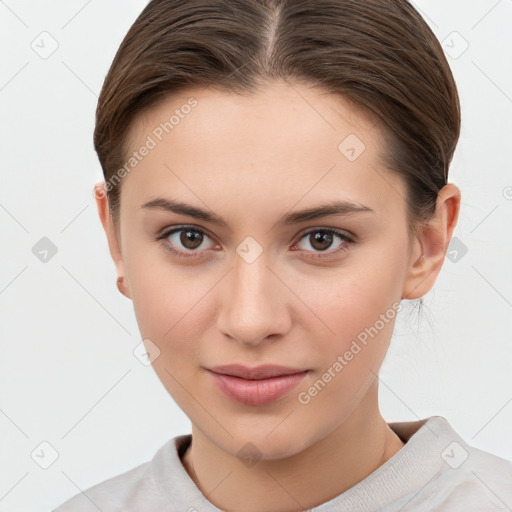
(185, 241)
(321, 239)
(189, 242)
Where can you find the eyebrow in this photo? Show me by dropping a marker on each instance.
(339, 207)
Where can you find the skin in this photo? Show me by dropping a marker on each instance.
(250, 160)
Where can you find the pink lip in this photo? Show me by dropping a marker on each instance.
(256, 386)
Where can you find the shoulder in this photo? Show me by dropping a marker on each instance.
(483, 474)
(470, 479)
(445, 473)
(133, 490)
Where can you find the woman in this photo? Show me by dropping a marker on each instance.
(275, 185)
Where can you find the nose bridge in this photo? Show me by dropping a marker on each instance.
(253, 308)
(252, 278)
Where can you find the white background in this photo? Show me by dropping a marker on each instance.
(68, 374)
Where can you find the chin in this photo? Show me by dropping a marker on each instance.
(257, 445)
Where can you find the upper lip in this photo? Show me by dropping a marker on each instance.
(257, 372)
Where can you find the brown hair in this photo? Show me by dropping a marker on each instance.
(379, 54)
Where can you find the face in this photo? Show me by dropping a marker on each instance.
(250, 281)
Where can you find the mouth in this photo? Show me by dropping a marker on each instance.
(256, 386)
(257, 372)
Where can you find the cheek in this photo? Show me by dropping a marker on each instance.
(361, 312)
(164, 294)
(353, 298)
(361, 321)
(174, 307)
(173, 312)
(359, 305)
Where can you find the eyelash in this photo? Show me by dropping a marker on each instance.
(197, 254)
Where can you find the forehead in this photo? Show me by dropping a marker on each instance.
(279, 109)
(286, 143)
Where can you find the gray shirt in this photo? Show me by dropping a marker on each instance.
(436, 470)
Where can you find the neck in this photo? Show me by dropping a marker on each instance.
(322, 471)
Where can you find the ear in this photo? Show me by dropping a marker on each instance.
(100, 194)
(431, 243)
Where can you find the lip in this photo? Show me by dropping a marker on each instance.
(260, 385)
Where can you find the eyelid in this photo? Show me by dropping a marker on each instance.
(338, 231)
(168, 230)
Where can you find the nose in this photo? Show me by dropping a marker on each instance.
(254, 303)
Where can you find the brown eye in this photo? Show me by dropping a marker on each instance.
(191, 239)
(187, 242)
(320, 240)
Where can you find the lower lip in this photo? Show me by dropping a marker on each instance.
(256, 392)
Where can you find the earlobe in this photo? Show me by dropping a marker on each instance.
(121, 287)
(105, 215)
(431, 244)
